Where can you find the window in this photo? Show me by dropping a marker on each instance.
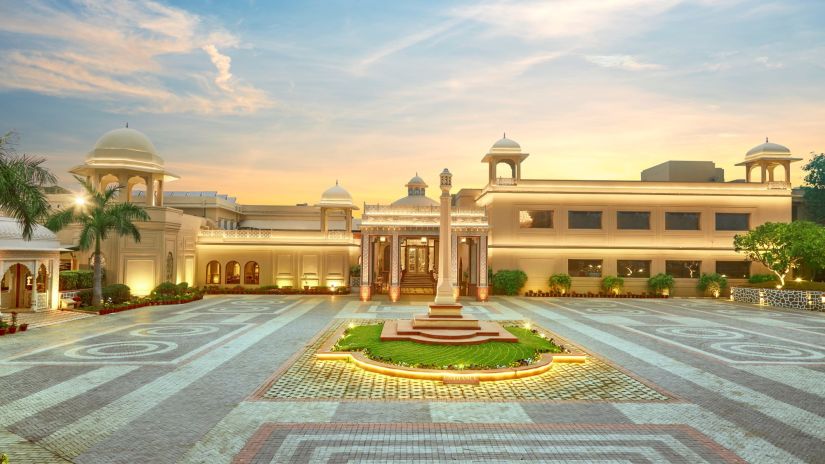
(233, 272)
(683, 269)
(682, 221)
(584, 267)
(536, 219)
(213, 273)
(733, 221)
(734, 269)
(633, 268)
(633, 220)
(584, 219)
(252, 273)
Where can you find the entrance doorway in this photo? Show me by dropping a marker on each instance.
(17, 287)
(418, 259)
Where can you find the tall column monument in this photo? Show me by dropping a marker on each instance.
(444, 324)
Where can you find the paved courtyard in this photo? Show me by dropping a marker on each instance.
(232, 379)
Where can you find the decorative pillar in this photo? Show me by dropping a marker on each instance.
(348, 216)
(366, 260)
(324, 226)
(159, 193)
(454, 264)
(764, 172)
(787, 166)
(395, 284)
(444, 295)
(150, 191)
(482, 291)
(34, 285)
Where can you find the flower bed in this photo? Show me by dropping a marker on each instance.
(13, 327)
(592, 295)
(117, 308)
(810, 300)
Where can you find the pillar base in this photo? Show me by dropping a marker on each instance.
(365, 293)
(482, 293)
(395, 292)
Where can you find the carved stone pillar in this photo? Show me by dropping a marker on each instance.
(150, 191)
(483, 290)
(34, 270)
(395, 281)
(454, 263)
(366, 261)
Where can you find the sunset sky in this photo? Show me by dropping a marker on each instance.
(272, 102)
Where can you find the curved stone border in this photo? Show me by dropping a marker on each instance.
(447, 376)
(809, 300)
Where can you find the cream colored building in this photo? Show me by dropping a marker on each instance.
(679, 218)
(28, 268)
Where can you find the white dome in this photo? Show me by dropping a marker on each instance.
(416, 182)
(337, 197)
(507, 144)
(11, 236)
(769, 148)
(124, 146)
(415, 201)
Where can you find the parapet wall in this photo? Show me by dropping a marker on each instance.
(792, 299)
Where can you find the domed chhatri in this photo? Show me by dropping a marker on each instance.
(336, 197)
(505, 144)
(125, 145)
(769, 148)
(416, 194)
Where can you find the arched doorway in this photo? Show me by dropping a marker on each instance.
(16, 287)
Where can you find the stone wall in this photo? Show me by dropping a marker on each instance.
(793, 299)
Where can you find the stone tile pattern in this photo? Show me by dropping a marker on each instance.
(791, 299)
(334, 443)
(311, 379)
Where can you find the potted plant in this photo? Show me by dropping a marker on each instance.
(712, 283)
(661, 284)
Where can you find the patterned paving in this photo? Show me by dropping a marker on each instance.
(725, 382)
(309, 378)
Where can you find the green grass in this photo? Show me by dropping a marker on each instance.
(490, 355)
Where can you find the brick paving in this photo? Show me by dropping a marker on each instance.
(232, 379)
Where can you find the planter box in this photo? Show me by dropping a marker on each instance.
(809, 300)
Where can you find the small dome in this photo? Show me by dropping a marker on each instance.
(124, 146)
(505, 143)
(769, 148)
(11, 236)
(416, 182)
(336, 196)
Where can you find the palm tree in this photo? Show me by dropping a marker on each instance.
(22, 178)
(98, 216)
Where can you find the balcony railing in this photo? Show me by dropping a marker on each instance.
(505, 181)
(265, 235)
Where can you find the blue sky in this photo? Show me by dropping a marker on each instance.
(272, 101)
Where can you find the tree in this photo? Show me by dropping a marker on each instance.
(560, 283)
(98, 216)
(782, 247)
(814, 189)
(661, 283)
(22, 178)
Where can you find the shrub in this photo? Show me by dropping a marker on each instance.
(165, 289)
(183, 287)
(661, 282)
(85, 297)
(119, 293)
(613, 284)
(73, 280)
(509, 281)
(759, 278)
(561, 283)
(713, 283)
(792, 285)
(268, 287)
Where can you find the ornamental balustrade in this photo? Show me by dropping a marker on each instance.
(264, 235)
(505, 181)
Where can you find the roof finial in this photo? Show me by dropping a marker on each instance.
(766, 139)
(127, 124)
(504, 136)
(336, 181)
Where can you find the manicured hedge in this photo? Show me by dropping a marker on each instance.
(73, 280)
(118, 293)
(508, 281)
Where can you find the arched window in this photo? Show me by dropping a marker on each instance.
(233, 272)
(42, 279)
(251, 273)
(213, 273)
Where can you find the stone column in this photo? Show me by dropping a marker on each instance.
(366, 257)
(324, 226)
(150, 191)
(454, 264)
(395, 283)
(34, 270)
(444, 295)
(482, 291)
(764, 172)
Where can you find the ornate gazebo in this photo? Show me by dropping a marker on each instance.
(29, 268)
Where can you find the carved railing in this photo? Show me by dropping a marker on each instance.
(505, 181)
(266, 235)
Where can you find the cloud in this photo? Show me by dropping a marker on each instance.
(129, 52)
(625, 62)
(403, 43)
(766, 62)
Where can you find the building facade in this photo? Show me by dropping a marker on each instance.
(679, 218)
